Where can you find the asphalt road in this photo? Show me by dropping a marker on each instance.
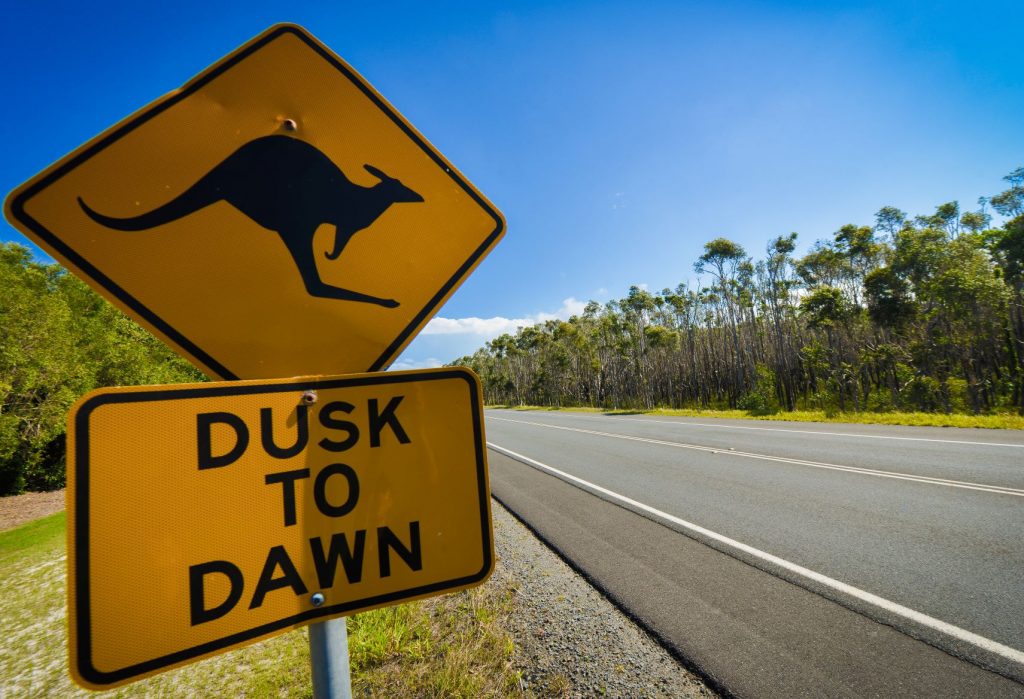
(786, 559)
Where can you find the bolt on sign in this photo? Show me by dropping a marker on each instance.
(204, 517)
(277, 191)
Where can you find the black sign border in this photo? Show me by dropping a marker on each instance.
(83, 616)
(17, 204)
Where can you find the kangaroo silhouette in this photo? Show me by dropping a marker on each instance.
(291, 188)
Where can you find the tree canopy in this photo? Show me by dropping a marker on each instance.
(910, 313)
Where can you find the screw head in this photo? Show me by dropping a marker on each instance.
(317, 599)
(309, 397)
(290, 125)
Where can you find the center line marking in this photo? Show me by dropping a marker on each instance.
(928, 480)
(880, 602)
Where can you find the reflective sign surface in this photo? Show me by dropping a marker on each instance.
(273, 217)
(208, 516)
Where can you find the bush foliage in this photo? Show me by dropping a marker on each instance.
(59, 340)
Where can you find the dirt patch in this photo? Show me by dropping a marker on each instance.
(15, 510)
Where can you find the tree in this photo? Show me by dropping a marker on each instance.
(888, 298)
(946, 218)
(890, 220)
(722, 258)
(824, 265)
(59, 339)
(777, 290)
(975, 221)
(1011, 201)
(923, 314)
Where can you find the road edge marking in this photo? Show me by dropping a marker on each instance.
(963, 635)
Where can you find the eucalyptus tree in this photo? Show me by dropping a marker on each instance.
(1010, 202)
(722, 259)
(919, 312)
(946, 218)
(778, 284)
(889, 220)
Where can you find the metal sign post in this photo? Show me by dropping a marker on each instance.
(328, 658)
(328, 642)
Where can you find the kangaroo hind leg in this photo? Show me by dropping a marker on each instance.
(318, 288)
(301, 249)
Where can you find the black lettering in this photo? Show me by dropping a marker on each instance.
(378, 420)
(277, 558)
(196, 593)
(287, 480)
(387, 539)
(320, 490)
(332, 423)
(327, 564)
(204, 439)
(267, 433)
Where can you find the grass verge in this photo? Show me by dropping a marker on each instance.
(999, 421)
(449, 646)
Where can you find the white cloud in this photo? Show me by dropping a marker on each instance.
(406, 364)
(489, 328)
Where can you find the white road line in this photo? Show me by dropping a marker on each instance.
(966, 485)
(862, 595)
(780, 429)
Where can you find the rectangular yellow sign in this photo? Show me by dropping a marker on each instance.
(208, 516)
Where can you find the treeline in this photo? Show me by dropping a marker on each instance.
(58, 340)
(917, 314)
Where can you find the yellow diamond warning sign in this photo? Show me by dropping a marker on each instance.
(273, 217)
(208, 516)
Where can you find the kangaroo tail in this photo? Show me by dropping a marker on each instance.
(196, 197)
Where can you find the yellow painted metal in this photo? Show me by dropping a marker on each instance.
(181, 498)
(218, 283)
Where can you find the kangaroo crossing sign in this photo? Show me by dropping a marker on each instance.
(209, 516)
(273, 217)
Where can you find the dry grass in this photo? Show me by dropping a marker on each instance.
(449, 646)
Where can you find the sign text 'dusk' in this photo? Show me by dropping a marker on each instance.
(209, 516)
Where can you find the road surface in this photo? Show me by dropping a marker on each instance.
(789, 559)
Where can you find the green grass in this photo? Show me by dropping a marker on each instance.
(1005, 421)
(37, 538)
(448, 646)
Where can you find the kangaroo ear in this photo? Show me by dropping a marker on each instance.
(375, 172)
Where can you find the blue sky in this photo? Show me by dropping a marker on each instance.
(617, 138)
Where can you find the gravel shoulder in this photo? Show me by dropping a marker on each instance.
(570, 640)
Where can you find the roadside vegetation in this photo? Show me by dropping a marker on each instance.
(1002, 421)
(449, 646)
(911, 315)
(921, 314)
(59, 340)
